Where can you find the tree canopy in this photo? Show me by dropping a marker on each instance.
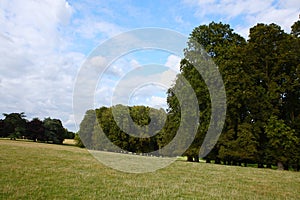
(16, 126)
(262, 82)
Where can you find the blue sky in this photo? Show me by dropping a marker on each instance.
(44, 43)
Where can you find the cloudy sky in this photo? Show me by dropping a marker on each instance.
(44, 43)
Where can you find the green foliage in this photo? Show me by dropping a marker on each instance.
(261, 77)
(262, 81)
(104, 126)
(282, 142)
(296, 29)
(36, 130)
(54, 131)
(15, 126)
(87, 127)
(78, 141)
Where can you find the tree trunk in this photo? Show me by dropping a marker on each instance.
(280, 165)
(208, 161)
(217, 161)
(196, 158)
(260, 165)
(190, 159)
(269, 166)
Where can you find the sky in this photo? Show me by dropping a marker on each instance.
(44, 44)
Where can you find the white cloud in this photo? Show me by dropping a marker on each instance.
(36, 71)
(247, 12)
(34, 24)
(129, 82)
(134, 63)
(139, 87)
(173, 62)
(109, 80)
(158, 102)
(91, 29)
(43, 43)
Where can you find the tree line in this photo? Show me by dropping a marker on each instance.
(16, 126)
(105, 126)
(261, 78)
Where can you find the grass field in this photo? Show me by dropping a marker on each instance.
(31, 170)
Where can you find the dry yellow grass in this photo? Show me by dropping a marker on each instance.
(69, 141)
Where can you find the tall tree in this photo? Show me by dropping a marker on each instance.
(221, 45)
(273, 67)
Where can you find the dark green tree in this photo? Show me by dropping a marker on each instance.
(78, 141)
(272, 62)
(282, 143)
(3, 132)
(35, 130)
(222, 45)
(296, 29)
(15, 125)
(87, 127)
(54, 131)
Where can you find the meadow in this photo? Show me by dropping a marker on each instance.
(31, 170)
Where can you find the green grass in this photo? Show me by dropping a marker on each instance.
(31, 170)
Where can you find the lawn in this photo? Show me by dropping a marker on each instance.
(31, 170)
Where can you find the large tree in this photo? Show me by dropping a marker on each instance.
(36, 130)
(54, 130)
(15, 125)
(222, 45)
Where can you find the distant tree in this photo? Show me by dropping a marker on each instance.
(69, 134)
(15, 124)
(87, 127)
(35, 130)
(54, 131)
(78, 141)
(3, 132)
(109, 129)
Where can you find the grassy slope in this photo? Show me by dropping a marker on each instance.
(44, 171)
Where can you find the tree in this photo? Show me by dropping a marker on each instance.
(296, 29)
(15, 124)
(78, 141)
(239, 148)
(35, 130)
(282, 142)
(69, 134)
(87, 127)
(3, 132)
(221, 45)
(54, 131)
(273, 60)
